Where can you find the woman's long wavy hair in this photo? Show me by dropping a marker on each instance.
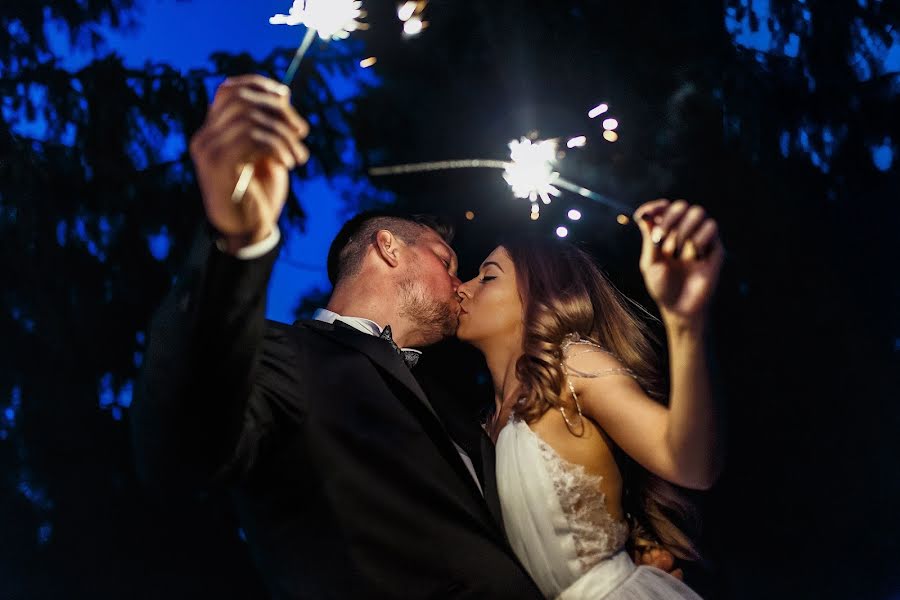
(564, 292)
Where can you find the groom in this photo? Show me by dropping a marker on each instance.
(346, 480)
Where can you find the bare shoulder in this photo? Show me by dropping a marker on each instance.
(584, 359)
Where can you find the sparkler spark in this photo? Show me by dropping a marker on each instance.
(331, 19)
(531, 172)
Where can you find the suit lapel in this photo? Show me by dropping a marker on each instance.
(380, 353)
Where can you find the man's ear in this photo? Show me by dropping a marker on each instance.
(387, 246)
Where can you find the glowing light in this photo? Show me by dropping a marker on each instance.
(413, 26)
(577, 142)
(598, 110)
(610, 124)
(406, 10)
(535, 208)
(623, 220)
(470, 216)
(535, 216)
(574, 214)
(531, 172)
(562, 231)
(331, 19)
(368, 62)
(610, 136)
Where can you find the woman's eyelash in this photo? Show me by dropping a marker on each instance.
(486, 278)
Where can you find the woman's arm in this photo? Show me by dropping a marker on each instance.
(681, 258)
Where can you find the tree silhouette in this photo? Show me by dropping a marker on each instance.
(780, 117)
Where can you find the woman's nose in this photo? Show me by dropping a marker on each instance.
(464, 291)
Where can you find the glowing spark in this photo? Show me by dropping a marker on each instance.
(610, 124)
(331, 19)
(406, 10)
(623, 220)
(535, 216)
(577, 142)
(610, 136)
(574, 215)
(470, 216)
(531, 172)
(562, 231)
(368, 62)
(598, 110)
(413, 26)
(294, 16)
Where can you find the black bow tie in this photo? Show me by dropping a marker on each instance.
(409, 357)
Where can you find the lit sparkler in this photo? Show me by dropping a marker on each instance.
(331, 20)
(531, 173)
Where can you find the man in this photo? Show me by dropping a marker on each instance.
(346, 480)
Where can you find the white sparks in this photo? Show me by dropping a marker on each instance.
(610, 124)
(368, 62)
(598, 110)
(406, 10)
(331, 19)
(610, 136)
(413, 26)
(562, 231)
(574, 214)
(294, 16)
(530, 172)
(577, 142)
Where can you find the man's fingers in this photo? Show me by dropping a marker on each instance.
(246, 141)
(232, 124)
(245, 99)
(257, 82)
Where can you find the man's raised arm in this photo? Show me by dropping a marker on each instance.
(208, 384)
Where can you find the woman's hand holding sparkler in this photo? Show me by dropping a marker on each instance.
(681, 258)
(251, 121)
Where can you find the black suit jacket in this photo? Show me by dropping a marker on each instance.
(344, 477)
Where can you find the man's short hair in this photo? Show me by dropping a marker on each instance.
(345, 256)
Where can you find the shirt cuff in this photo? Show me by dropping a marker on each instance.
(255, 250)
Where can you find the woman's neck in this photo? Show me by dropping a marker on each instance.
(501, 363)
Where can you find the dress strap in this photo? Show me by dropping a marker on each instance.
(589, 346)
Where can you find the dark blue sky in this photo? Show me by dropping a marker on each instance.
(184, 34)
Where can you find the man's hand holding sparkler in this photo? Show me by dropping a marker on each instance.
(251, 121)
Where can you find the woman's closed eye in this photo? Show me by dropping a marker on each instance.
(487, 278)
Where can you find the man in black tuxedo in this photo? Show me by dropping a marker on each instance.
(347, 482)
(350, 480)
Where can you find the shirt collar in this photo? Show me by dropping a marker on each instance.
(359, 323)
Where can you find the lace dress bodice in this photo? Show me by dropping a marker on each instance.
(557, 520)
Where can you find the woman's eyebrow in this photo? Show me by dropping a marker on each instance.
(490, 262)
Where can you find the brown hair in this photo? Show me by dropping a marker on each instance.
(345, 256)
(564, 292)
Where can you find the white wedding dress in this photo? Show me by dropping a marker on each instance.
(558, 525)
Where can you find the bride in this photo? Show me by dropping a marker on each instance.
(585, 436)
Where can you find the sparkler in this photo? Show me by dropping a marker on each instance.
(531, 173)
(331, 20)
